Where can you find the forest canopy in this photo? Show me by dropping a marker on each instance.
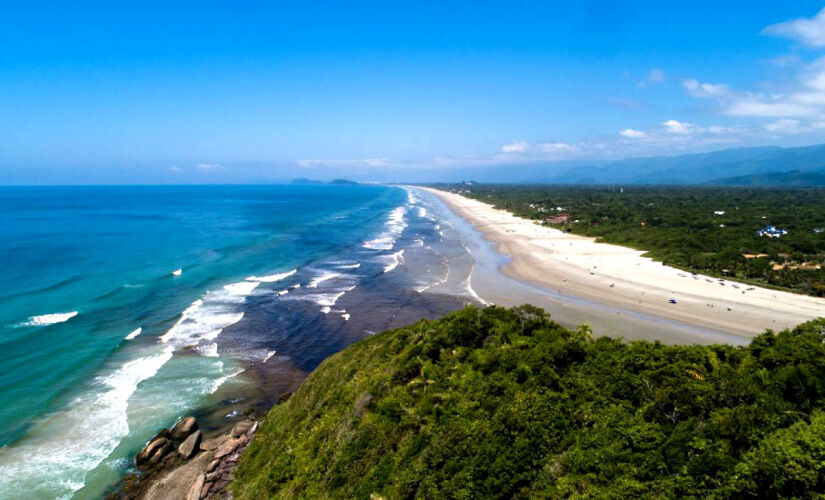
(505, 403)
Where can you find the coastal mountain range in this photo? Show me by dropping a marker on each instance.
(763, 166)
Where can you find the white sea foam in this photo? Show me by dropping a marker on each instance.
(283, 292)
(472, 292)
(177, 272)
(329, 299)
(206, 318)
(268, 355)
(242, 288)
(297, 285)
(210, 336)
(209, 350)
(49, 319)
(52, 462)
(134, 333)
(412, 199)
(422, 212)
(349, 266)
(393, 260)
(346, 316)
(272, 277)
(326, 276)
(381, 243)
(395, 226)
(219, 382)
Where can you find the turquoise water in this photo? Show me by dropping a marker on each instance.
(174, 269)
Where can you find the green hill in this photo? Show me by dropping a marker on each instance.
(507, 404)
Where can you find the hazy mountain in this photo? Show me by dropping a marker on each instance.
(694, 168)
(700, 167)
(792, 178)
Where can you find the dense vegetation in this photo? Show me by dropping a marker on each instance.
(678, 226)
(507, 404)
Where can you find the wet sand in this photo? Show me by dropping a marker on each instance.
(613, 288)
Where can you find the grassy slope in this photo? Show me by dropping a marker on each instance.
(505, 403)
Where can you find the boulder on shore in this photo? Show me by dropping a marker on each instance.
(190, 445)
(153, 451)
(183, 428)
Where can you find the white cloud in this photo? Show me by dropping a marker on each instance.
(362, 162)
(208, 167)
(515, 147)
(786, 126)
(698, 89)
(557, 147)
(629, 133)
(679, 128)
(768, 109)
(808, 31)
(732, 130)
(807, 100)
(176, 169)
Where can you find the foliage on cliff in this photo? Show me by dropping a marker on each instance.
(500, 403)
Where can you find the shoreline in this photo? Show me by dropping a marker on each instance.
(604, 276)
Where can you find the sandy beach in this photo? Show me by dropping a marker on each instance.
(622, 279)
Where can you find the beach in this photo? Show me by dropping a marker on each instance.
(577, 273)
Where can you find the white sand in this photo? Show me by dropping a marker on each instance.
(620, 277)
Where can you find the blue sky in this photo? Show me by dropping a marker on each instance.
(215, 92)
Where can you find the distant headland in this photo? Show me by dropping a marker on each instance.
(338, 182)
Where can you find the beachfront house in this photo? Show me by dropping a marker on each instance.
(771, 232)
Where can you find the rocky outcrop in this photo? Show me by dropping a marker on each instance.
(178, 463)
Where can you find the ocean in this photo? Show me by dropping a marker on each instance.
(125, 307)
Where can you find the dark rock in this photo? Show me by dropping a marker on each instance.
(190, 445)
(147, 454)
(157, 457)
(183, 428)
(219, 485)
